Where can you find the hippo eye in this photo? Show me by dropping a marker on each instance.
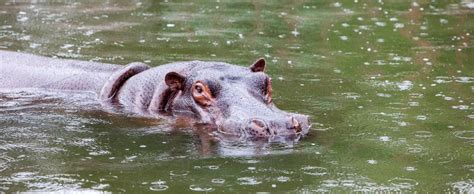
(198, 88)
(202, 94)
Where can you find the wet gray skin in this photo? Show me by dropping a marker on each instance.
(227, 98)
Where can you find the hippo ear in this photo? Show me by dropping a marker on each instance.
(175, 81)
(258, 66)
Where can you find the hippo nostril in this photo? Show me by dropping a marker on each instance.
(259, 128)
(259, 123)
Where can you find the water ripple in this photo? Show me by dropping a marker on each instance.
(248, 181)
(314, 170)
(201, 188)
(467, 135)
(403, 183)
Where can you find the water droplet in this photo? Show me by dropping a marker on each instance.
(468, 135)
(179, 173)
(384, 138)
(421, 117)
(218, 181)
(381, 24)
(405, 85)
(314, 170)
(464, 79)
(469, 167)
(330, 183)
(402, 124)
(415, 148)
(99, 153)
(66, 46)
(399, 25)
(423, 134)
(348, 183)
(447, 98)
(403, 183)
(158, 182)
(201, 188)
(22, 18)
(248, 181)
(295, 32)
(158, 187)
(100, 186)
(461, 107)
(213, 167)
(384, 95)
(443, 21)
(372, 161)
(283, 179)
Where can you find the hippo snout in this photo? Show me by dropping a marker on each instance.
(294, 124)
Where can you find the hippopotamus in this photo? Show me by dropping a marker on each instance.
(230, 99)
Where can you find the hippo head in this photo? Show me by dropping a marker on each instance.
(232, 99)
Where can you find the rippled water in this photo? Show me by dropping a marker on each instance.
(389, 86)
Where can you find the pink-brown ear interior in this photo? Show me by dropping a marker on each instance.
(268, 93)
(258, 66)
(175, 81)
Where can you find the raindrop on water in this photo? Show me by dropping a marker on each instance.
(403, 183)
(423, 134)
(468, 135)
(218, 181)
(416, 148)
(384, 138)
(201, 188)
(314, 170)
(283, 179)
(179, 173)
(248, 181)
(158, 187)
(372, 161)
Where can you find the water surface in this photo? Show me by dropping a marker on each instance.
(389, 86)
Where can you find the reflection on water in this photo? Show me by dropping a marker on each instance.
(389, 86)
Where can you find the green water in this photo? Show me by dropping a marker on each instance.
(389, 86)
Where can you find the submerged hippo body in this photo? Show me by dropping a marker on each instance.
(231, 99)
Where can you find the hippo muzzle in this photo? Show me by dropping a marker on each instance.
(286, 124)
(292, 125)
